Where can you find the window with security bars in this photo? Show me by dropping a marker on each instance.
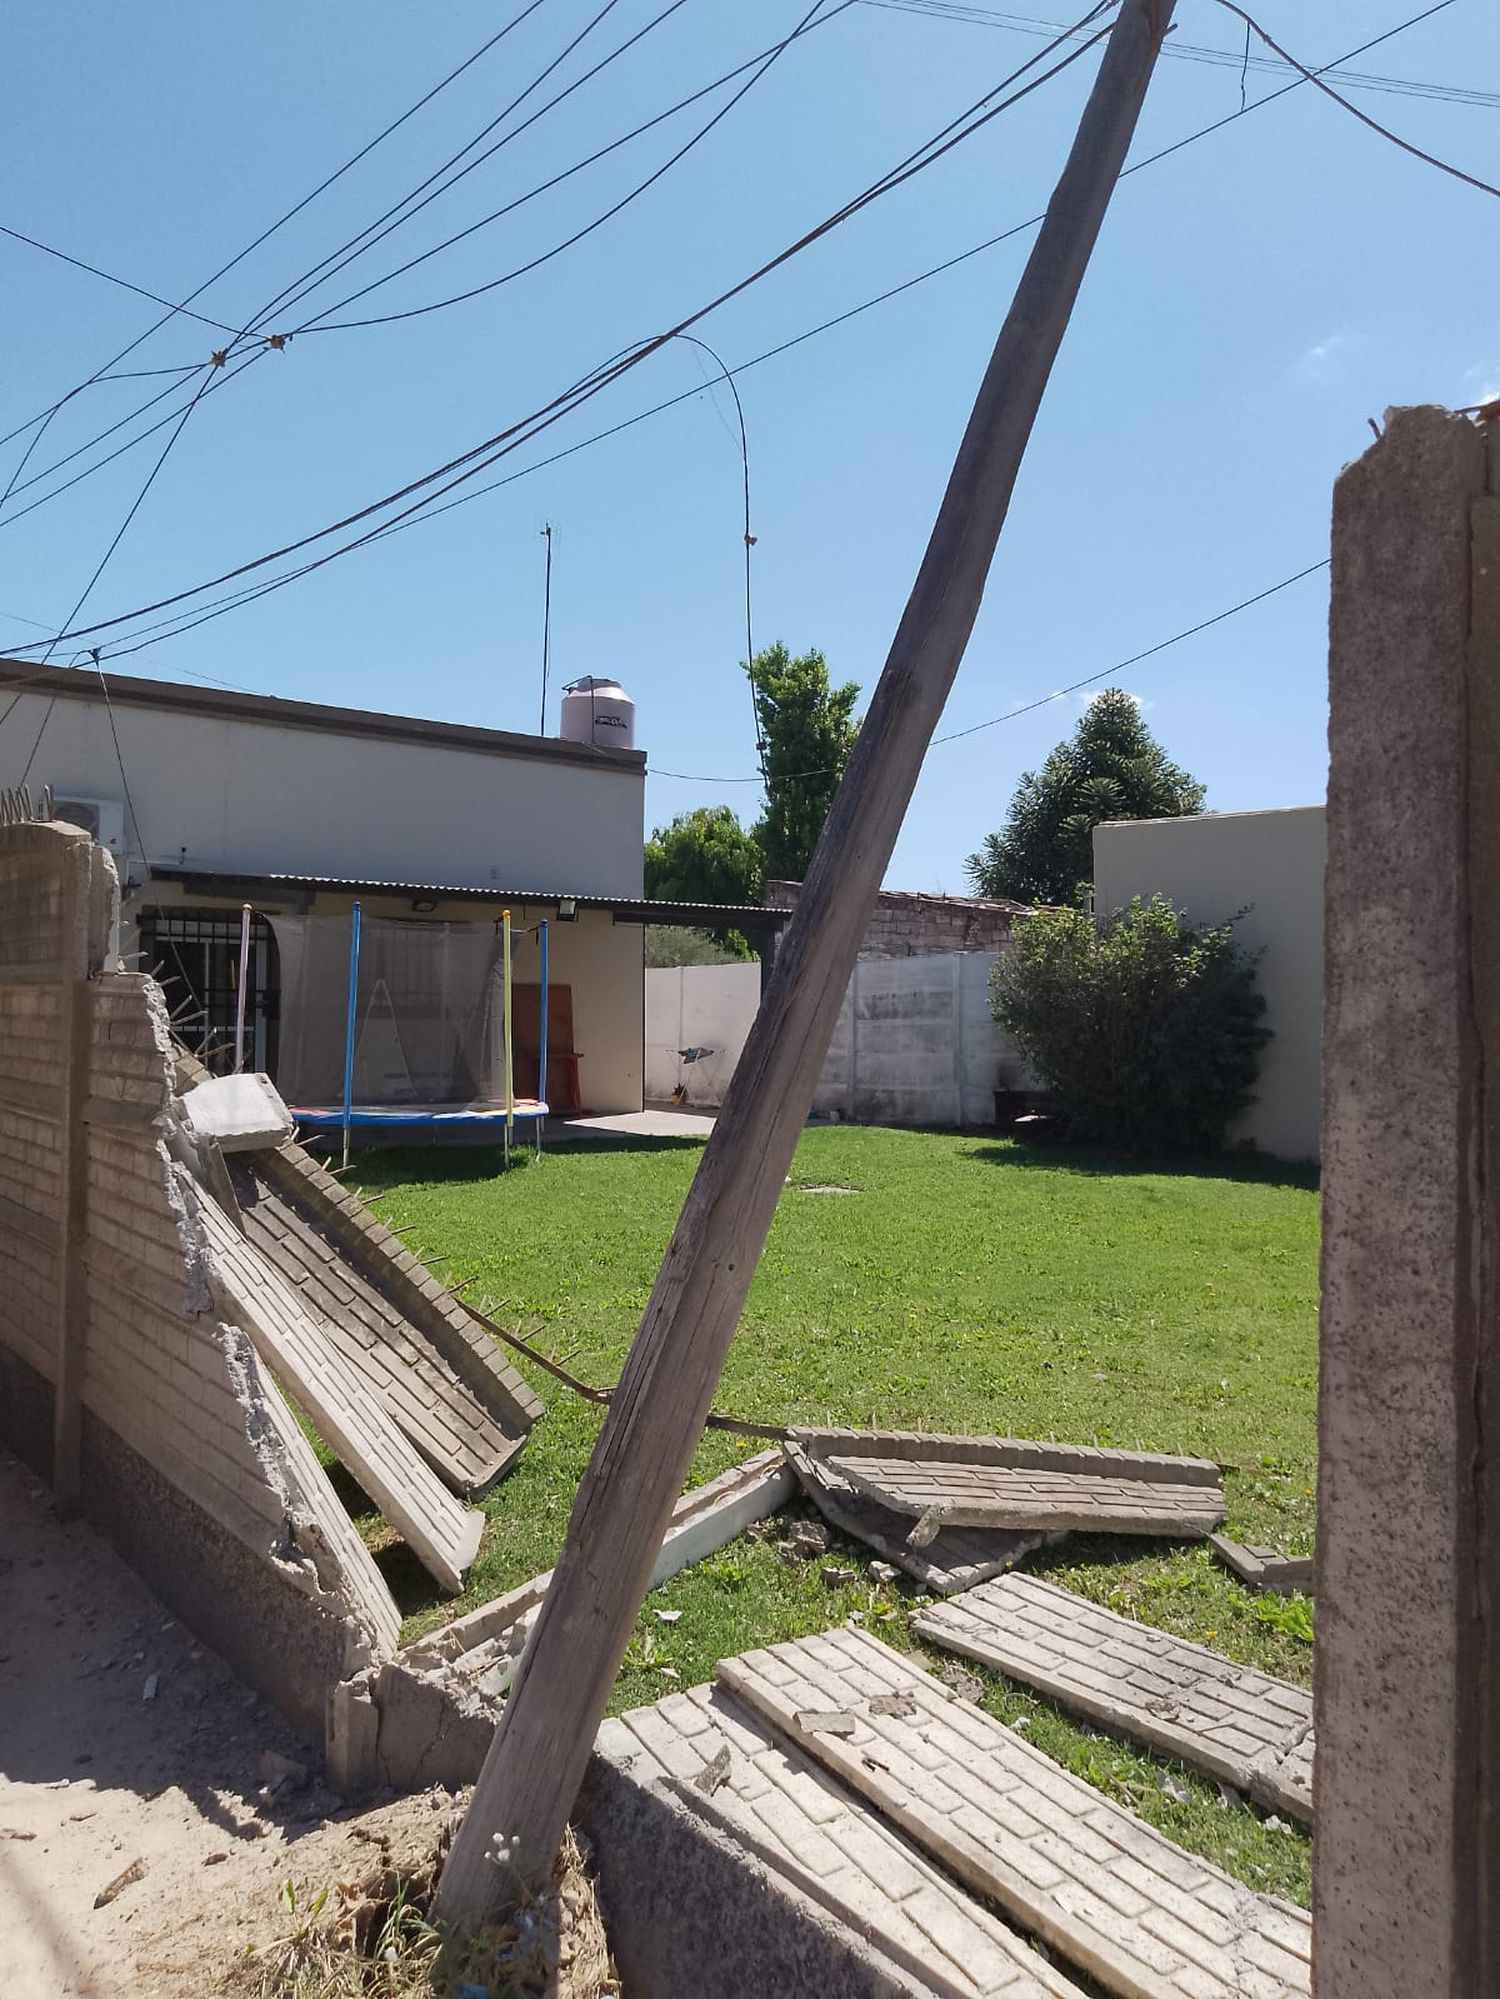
(195, 955)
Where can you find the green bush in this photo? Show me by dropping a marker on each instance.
(1145, 1028)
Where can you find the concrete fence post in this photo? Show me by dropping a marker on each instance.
(1407, 1863)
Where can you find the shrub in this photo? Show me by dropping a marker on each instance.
(1146, 1028)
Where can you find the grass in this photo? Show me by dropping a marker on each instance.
(967, 1284)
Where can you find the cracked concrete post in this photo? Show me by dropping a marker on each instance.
(1406, 1895)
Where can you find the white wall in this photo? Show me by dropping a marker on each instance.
(697, 1006)
(227, 793)
(1269, 864)
(915, 1042)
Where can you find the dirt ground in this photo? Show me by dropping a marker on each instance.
(122, 1740)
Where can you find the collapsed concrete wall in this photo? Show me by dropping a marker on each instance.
(119, 1378)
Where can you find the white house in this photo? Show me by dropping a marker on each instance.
(211, 800)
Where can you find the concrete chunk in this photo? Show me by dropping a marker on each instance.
(243, 1113)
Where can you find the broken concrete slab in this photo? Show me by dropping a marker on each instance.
(1242, 1726)
(467, 1443)
(707, 1766)
(1264, 1568)
(239, 1113)
(1114, 1897)
(938, 1494)
(442, 1534)
(1015, 1453)
(955, 1559)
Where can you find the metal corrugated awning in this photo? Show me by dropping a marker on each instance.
(624, 909)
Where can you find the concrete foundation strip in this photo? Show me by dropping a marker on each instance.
(969, 1495)
(1243, 1726)
(1112, 1896)
(443, 1535)
(772, 1802)
(704, 1520)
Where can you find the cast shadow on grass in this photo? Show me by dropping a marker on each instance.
(1249, 1168)
(376, 1170)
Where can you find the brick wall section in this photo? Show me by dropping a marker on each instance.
(915, 926)
(161, 1369)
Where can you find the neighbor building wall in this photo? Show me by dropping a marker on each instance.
(915, 1042)
(912, 925)
(227, 792)
(183, 1448)
(1268, 865)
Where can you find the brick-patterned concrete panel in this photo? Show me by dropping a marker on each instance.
(441, 1534)
(800, 1823)
(1113, 1896)
(452, 1429)
(971, 1495)
(1020, 1453)
(1183, 1699)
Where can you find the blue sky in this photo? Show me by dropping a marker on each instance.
(1254, 300)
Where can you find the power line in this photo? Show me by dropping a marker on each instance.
(1058, 693)
(296, 209)
(337, 259)
(16, 484)
(1318, 83)
(393, 219)
(480, 456)
(766, 57)
(879, 298)
(990, 17)
(109, 277)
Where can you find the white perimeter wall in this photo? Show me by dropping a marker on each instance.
(251, 797)
(1269, 864)
(915, 1042)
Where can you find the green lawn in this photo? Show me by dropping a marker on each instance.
(966, 1284)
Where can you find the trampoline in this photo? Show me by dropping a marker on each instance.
(502, 1117)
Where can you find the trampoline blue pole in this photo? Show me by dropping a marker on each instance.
(350, 1026)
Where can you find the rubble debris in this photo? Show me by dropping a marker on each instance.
(713, 1774)
(959, 1680)
(837, 1577)
(237, 1113)
(126, 1877)
(824, 1721)
(1264, 1568)
(281, 1774)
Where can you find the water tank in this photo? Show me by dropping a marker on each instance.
(598, 711)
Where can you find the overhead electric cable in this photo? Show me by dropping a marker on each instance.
(480, 456)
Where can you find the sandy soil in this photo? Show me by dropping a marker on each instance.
(124, 1740)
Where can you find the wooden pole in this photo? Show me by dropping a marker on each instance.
(536, 1762)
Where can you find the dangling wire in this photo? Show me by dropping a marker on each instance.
(739, 410)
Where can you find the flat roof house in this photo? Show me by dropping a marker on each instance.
(210, 800)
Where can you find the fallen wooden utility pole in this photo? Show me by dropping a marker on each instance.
(536, 1762)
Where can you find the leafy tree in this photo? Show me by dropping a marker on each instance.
(809, 730)
(1111, 768)
(705, 856)
(1145, 1028)
(668, 944)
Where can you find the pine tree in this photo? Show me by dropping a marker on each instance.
(1112, 767)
